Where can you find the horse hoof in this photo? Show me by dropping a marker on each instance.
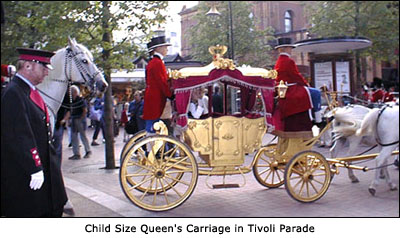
(372, 191)
(393, 188)
(354, 180)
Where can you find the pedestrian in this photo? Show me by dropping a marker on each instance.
(378, 93)
(97, 110)
(78, 116)
(31, 179)
(157, 89)
(124, 120)
(135, 111)
(293, 110)
(62, 118)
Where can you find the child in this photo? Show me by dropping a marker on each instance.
(124, 120)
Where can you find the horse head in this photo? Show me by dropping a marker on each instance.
(80, 67)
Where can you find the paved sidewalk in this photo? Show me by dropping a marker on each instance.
(96, 192)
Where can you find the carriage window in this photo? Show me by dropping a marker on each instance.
(233, 100)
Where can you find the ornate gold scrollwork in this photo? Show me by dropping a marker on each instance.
(227, 137)
(220, 63)
(175, 74)
(272, 74)
(192, 125)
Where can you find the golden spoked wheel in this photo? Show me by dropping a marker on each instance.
(307, 176)
(162, 178)
(267, 170)
(139, 135)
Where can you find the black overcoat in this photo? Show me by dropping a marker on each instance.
(25, 133)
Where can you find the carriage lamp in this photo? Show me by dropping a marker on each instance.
(282, 88)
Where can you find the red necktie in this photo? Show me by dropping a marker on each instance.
(38, 100)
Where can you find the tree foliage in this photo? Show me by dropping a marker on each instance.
(47, 25)
(376, 20)
(250, 44)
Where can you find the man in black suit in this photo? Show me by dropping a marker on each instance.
(31, 179)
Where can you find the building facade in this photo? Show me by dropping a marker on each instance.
(287, 18)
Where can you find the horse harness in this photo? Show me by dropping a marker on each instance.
(376, 132)
(69, 56)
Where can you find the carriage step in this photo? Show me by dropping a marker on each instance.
(226, 185)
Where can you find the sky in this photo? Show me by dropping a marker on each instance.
(174, 8)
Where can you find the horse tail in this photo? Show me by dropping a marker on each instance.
(368, 125)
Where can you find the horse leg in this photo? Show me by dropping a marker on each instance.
(354, 142)
(381, 160)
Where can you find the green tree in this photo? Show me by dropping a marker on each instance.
(376, 20)
(46, 25)
(250, 44)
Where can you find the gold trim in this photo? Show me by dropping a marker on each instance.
(221, 63)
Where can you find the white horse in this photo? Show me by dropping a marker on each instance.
(71, 64)
(383, 124)
(347, 121)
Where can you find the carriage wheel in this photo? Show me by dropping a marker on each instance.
(139, 135)
(162, 179)
(267, 170)
(307, 176)
(136, 137)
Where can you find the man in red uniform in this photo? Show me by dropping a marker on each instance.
(157, 89)
(378, 94)
(294, 109)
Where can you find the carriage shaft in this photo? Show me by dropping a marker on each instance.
(356, 158)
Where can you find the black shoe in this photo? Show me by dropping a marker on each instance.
(87, 155)
(94, 143)
(75, 157)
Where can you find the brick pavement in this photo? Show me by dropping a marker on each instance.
(96, 192)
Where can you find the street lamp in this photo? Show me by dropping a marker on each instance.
(213, 12)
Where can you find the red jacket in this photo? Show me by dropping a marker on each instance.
(297, 97)
(388, 97)
(157, 89)
(379, 94)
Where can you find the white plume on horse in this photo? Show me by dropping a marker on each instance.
(348, 120)
(71, 64)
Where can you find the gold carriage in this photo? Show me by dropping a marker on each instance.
(160, 172)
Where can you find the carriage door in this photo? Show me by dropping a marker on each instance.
(227, 132)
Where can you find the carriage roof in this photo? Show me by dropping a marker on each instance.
(221, 69)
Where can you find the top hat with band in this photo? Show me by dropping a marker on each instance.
(38, 56)
(157, 42)
(284, 42)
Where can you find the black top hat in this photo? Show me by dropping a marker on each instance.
(284, 42)
(157, 42)
(39, 56)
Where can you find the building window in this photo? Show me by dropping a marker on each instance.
(288, 21)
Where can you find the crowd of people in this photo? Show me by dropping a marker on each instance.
(378, 92)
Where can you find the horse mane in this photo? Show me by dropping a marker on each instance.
(348, 120)
(368, 125)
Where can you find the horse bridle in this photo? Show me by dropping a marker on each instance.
(69, 56)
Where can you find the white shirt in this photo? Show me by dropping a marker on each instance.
(26, 81)
(288, 55)
(196, 110)
(160, 55)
